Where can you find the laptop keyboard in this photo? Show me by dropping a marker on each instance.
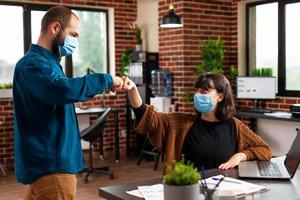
(267, 168)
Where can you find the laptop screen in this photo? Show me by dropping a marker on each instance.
(292, 159)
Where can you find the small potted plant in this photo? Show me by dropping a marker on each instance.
(182, 182)
(138, 35)
(5, 90)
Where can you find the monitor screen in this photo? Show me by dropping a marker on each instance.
(249, 87)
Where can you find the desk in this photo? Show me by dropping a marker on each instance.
(274, 130)
(279, 189)
(253, 116)
(95, 110)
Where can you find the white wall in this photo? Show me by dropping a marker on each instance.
(278, 134)
(147, 18)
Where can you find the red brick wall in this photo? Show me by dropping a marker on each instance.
(6, 131)
(179, 48)
(125, 12)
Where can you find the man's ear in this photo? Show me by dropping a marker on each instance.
(54, 28)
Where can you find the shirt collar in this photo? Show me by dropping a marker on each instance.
(43, 51)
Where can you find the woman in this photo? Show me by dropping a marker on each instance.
(211, 137)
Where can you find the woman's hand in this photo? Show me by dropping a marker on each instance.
(118, 83)
(133, 93)
(233, 161)
(128, 84)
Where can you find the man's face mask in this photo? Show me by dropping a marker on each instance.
(68, 47)
(203, 103)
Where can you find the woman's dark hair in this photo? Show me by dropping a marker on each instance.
(225, 109)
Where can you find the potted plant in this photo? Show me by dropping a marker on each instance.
(182, 182)
(212, 53)
(5, 90)
(138, 36)
(125, 62)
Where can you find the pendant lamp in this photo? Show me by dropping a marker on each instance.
(171, 20)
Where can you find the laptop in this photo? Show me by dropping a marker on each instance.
(283, 167)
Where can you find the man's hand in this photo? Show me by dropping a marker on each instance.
(117, 84)
(233, 161)
(128, 84)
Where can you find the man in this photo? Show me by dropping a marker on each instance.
(48, 152)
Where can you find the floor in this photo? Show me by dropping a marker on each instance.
(126, 171)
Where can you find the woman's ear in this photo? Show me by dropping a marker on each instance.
(221, 97)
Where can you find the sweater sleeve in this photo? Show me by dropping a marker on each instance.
(155, 125)
(251, 144)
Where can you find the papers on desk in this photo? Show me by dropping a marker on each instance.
(152, 192)
(228, 187)
(235, 186)
(279, 114)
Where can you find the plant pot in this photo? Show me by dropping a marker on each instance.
(188, 192)
(6, 93)
(138, 47)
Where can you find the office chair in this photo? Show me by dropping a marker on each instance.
(90, 134)
(154, 152)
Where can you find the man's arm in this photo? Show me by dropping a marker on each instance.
(52, 88)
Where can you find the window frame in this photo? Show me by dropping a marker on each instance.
(28, 7)
(281, 79)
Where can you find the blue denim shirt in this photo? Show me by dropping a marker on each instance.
(46, 134)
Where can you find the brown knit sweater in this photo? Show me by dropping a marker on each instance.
(167, 132)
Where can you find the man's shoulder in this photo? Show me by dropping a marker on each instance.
(32, 59)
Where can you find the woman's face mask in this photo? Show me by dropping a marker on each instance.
(205, 103)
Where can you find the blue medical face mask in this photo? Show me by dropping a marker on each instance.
(69, 46)
(203, 103)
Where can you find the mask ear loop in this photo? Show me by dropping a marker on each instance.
(61, 29)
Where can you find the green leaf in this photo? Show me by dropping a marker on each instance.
(182, 174)
(212, 53)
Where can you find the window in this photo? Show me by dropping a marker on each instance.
(92, 49)
(11, 40)
(271, 25)
(92, 52)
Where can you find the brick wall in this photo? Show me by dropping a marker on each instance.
(179, 49)
(125, 12)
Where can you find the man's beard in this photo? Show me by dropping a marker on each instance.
(55, 46)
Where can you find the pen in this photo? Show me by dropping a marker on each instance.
(225, 180)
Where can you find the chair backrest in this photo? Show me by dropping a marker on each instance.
(95, 130)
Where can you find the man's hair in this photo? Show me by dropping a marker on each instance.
(225, 108)
(59, 14)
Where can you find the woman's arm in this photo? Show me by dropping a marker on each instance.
(251, 144)
(250, 147)
(149, 122)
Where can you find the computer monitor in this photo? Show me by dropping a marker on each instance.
(256, 88)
